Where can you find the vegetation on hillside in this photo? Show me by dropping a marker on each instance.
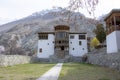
(94, 42)
(100, 33)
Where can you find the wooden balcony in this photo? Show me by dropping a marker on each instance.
(112, 28)
(118, 28)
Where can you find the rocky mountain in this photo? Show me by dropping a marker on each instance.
(22, 34)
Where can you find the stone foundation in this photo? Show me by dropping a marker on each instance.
(103, 59)
(10, 60)
(54, 59)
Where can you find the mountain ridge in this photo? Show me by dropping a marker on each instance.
(25, 30)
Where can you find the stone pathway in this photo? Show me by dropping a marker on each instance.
(53, 73)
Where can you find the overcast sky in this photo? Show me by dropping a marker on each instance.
(16, 9)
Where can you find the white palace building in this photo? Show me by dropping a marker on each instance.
(113, 31)
(61, 42)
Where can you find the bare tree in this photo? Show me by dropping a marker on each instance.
(89, 5)
(75, 5)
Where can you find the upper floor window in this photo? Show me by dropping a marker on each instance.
(71, 36)
(43, 36)
(82, 36)
(61, 35)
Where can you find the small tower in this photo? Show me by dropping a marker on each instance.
(113, 31)
(61, 41)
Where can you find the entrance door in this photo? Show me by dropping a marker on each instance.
(62, 48)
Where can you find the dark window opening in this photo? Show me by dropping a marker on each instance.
(81, 36)
(53, 42)
(62, 48)
(72, 37)
(73, 48)
(61, 35)
(40, 50)
(118, 23)
(118, 20)
(80, 42)
(43, 36)
(59, 42)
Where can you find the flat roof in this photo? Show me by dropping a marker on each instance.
(77, 33)
(66, 31)
(46, 32)
(111, 12)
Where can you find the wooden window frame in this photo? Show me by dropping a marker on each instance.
(82, 36)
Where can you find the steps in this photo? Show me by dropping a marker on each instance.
(54, 59)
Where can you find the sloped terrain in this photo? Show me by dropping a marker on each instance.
(23, 33)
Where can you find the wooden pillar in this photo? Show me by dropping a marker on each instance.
(114, 22)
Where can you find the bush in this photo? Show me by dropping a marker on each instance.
(94, 42)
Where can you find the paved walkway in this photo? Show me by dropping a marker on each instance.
(53, 73)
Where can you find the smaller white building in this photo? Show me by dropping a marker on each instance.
(61, 43)
(113, 31)
(45, 45)
(77, 44)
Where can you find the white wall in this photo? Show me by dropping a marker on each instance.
(47, 47)
(112, 43)
(78, 49)
(118, 39)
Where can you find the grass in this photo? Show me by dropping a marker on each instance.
(24, 71)
(77, 71)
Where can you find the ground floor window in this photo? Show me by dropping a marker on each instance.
(80, 43)
(40, 50)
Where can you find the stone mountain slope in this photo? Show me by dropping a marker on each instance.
(23, 32)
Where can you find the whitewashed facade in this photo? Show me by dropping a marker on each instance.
(77, 47)
(46, 46)
(113, 42)
(113, 31)
(61, 43)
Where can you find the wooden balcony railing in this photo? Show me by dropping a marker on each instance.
(112, 28)
(118, 28)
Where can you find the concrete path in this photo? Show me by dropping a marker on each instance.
(53, 73)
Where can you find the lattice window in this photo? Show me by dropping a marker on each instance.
(43, 36)
(82, 36)
(71, 36)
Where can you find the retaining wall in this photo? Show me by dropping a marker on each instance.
(9, 60)
(103, 59)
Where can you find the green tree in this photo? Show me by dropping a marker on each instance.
(94, 42)
(100, 33)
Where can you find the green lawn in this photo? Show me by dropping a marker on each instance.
(24, 71)
(77, 71)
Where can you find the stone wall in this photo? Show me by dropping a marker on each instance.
(103, 59)
(9, 60)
